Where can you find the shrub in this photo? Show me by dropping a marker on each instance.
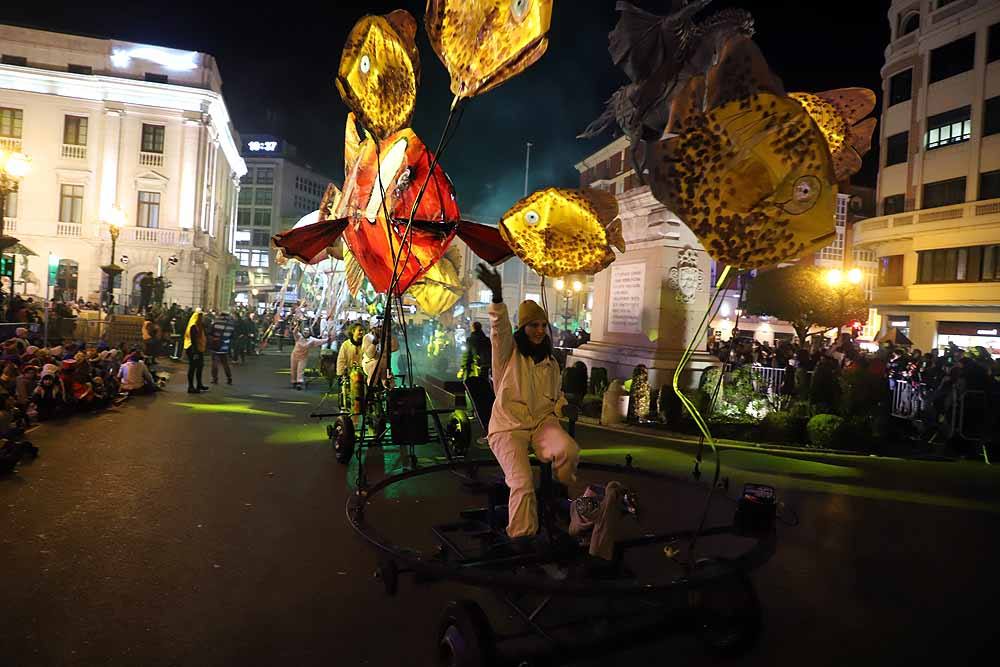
(598, 380)
(825, 430)
(784, 427)
(591, 406)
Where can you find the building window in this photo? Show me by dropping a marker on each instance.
(20, 61)
(75, 130)
(897, 149)
(71, 203)
(261, 238)
(243, 256)
(910, 24)
(155, 78)
(900, 87)
(247, 178)
(260, 258)
(944, 193)
(950, 127)
(11, 121)
(991, 116)
(263, 196)
(10, 205)
(79, 69)
(243, 217)
(890, 271)
(893, 204)
(152, 138)
(991, 262)
(993, 43)
(149, 210)
(989, 185)
(954, 58)
(246, 196)
(265, 176)
(971, 264)
(262, 217)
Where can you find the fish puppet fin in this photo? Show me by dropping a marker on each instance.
(614, 234)
(405, 26)
(308, 244)
(353, 141)
(860, 135)
(485, 241)
(605, 204)
(353, 274)
(852, 103)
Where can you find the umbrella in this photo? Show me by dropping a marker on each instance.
(894, 336)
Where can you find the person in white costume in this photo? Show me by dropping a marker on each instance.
(529, 401)
(300, 354)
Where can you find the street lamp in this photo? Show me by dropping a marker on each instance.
(116, 220)
(13, 167)
(843, 283)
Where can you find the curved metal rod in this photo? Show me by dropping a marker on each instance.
(477, 575)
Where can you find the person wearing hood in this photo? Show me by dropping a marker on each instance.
(49, 397)
(300, 355)
(529, 402)
(374, 360)
(195, 345)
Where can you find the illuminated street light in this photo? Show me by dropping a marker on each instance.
(116, 219)
(13, 167)
(577, 285)
(854, 275)
(834, 277)
(560, 284)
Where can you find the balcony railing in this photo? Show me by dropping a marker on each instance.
(914, 222)
(74, 152)
(151, 236)
(150, 159)
(69, 229)
(9, 224)
(10, 144)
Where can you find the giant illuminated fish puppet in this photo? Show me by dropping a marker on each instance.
(373, 211)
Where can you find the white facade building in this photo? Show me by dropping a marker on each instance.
(110, 124)
(277, 190)
(938, 238)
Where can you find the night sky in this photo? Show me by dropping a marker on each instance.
(278, 64)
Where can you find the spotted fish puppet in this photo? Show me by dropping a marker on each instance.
(379, 71)
(745, 166)
(839, 114)
(482, 43)
(559, 232)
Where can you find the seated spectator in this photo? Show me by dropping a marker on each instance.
(135, 376)
(48, 397)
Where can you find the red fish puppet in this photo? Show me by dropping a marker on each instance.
(382, 184)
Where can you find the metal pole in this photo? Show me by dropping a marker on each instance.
(527, 164)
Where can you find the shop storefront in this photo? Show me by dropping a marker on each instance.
(899, 322)
(968, 335)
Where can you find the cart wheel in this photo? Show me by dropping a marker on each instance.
(465, 638)
(727, 613)
(459, 433)
(343, 439)
(388, 572)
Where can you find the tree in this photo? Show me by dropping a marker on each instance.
(800, 295)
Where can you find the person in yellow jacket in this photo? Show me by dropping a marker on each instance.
(195, 344)
(529, 401)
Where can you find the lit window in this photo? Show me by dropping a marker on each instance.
(149, 210)
(11, 122)
(71, 203)
(950, 127)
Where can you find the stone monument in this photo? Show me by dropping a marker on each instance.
(649, 302)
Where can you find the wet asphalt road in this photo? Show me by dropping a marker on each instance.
(210, 530)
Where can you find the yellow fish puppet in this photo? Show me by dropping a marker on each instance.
(838, 114)
(745, 166)
(558, 232)
(380, 70)
(482, 43)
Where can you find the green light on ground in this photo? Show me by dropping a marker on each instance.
(230, 408)
(294, 402)
(298, 434)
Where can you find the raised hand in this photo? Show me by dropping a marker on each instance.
(490, 278)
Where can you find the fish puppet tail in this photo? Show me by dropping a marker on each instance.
(485, 241)
(308, 244)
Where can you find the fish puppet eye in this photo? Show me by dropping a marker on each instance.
(532, 218)
(366, 64)
(805, 193)
(519, 9)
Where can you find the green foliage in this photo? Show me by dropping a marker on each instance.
(826, 430)
(784, 427)
(800, 295)
(591, 406)
(598, 380)
(737, 400)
